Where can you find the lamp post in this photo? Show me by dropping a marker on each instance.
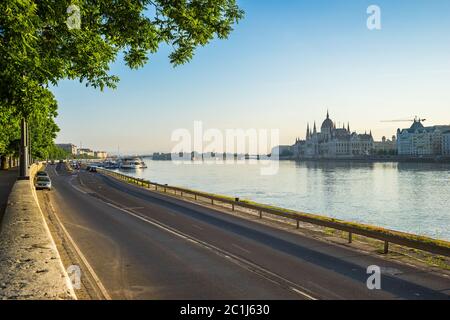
(23, 152)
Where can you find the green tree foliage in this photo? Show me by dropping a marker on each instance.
(42, 126)
(55, 153)
(38, 48)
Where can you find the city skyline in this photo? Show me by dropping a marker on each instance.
(282, 67)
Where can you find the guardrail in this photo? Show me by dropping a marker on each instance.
(409, 240)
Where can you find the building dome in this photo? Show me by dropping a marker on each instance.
(327, 124)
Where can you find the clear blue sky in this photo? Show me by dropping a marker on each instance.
(285, 64)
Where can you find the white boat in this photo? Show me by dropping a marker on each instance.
(131, 163)
(143, 165)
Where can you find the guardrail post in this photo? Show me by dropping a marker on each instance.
(260, 214)
(350, 237)
(195, 197)
(232, 207)
(212, 201)
(386, 247)
(298, 224)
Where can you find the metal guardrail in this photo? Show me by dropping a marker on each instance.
(409, 240)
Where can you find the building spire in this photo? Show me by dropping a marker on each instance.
(314, 130)
(348, 127)
(307, 131)
(328, 114)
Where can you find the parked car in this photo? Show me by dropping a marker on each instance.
(41, 174)
(43, 182)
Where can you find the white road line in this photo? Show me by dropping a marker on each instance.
(76, 188)
(217, 250)
(240, 248)
(54, 169)
(82, 257)
(63, 269)
(302, 293)
(196, 226)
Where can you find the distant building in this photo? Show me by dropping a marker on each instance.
(86, 152)
(385, 146)
(332, 142)
(68, 147)
(101, 154)
(446, 143)
(421, 141)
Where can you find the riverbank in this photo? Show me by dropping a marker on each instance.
(399, 159)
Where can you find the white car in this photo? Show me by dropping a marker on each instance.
(43, 182)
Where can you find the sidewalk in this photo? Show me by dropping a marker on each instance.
(30, 265)
(7, 179)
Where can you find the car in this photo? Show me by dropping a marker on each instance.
(41, 174)
(43, 182)
(92, 169)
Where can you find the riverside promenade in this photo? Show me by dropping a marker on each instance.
(30, 265)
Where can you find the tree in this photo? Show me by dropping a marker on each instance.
(38, 45)
(9, 136)
(42, 134)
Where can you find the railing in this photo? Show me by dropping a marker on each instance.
(427, 244)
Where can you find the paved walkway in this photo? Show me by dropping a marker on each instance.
(7, 179)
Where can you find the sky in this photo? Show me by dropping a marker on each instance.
(285, 64)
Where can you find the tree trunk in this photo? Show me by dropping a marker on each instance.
(3, 163)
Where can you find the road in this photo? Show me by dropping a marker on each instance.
(144, 245)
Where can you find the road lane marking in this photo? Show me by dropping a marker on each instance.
(63, 269)
(196, 226)
(240, 248)
(81, 256)
(134, 208)
(76, 188)
(250, 266)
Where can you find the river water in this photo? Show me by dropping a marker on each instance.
(410, 197)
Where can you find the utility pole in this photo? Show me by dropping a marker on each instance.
(23, 152)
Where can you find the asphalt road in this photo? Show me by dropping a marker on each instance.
(144, 245)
